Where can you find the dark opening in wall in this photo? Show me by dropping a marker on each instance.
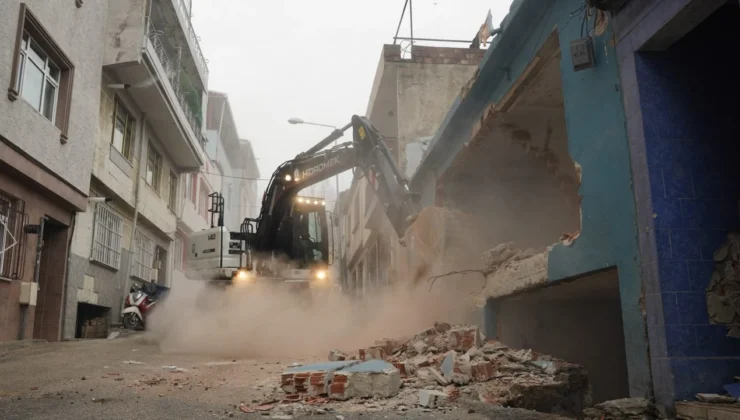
(690, 103)
(579, 321)
(516, 178)
(92, 321)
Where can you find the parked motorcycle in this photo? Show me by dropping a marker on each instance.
(137, 305)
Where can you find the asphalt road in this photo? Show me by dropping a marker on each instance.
(130, 378)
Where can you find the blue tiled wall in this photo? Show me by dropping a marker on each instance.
(690, 100)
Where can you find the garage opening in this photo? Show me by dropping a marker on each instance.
(579, 321)
(516, 179)
(92, 321)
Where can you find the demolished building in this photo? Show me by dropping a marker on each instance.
(535, 152)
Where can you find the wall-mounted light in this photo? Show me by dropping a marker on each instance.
(119, 86)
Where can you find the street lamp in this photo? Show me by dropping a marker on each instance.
(295, 120)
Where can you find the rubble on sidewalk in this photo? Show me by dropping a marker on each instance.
(625, 408)
(434, 369)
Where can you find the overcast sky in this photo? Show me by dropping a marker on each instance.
(315, 60)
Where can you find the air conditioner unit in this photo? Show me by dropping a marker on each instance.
(29, 291)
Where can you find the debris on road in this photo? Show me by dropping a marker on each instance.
(716, 398)
(625, 408)
(433, 369)
(133, 362)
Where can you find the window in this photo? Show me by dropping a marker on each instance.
(41, 73)
(123, 130)
(107, 237)
(38, 78)
(187, 187)
(153, 168)
(204, 203)
(356, 212)
(143, 257)
(12, 238)
(180, 256)
(173, 191)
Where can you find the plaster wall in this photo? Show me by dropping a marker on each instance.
(77, 32)
(597, 141)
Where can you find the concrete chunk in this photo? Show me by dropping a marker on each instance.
(374, 378)
(430, 399)
(312, 379)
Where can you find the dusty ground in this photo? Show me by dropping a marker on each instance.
(91, 380)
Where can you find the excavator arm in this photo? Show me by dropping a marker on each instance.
(367, 151)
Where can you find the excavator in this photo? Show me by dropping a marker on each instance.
(290, 241)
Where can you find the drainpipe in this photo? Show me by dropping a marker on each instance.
(132, 241)
(63, 318)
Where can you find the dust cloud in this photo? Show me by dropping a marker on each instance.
(262, 322)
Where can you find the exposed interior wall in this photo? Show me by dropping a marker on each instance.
(690, 110)
(579, 321)
(518, 181)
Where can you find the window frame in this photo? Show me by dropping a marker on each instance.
(28, 23)
(143, 247)
(129, 129)
(106, 218)
(156, 181)
(172, 197)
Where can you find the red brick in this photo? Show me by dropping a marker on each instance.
(401, 367)
(339, 379)
(481, 371)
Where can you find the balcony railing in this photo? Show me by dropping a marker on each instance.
(200, 60)
(174, 72)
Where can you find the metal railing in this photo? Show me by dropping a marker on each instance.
(173, 69)
(198, 57)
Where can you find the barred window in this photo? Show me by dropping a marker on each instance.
(12, 238)
(143, 257)
(107, 237)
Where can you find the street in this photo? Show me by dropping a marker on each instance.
(129, 377)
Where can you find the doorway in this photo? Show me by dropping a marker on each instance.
(52, 269)
(92, 321)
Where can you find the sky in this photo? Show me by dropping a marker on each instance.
(315, 60)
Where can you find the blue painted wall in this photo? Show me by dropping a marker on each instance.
(691, 118)
(597, 140)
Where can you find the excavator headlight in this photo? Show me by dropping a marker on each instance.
(323, 203)
(320, 275)
(242, 276)
(288, 178)
(315, 202)
(300, 200)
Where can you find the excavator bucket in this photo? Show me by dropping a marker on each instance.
(440, 239)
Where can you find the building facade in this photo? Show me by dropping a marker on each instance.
(681, 118)
(409, 99)
(535, 151)
(48, 126)
(149, 135)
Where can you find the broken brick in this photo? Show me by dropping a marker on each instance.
(464, 338)
(482, 371)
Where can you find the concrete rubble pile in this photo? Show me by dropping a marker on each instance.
(438, 366)
(505, 253)
(723, 292)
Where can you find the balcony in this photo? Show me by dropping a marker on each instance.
(154, 50)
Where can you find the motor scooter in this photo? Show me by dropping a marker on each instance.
(137, 305)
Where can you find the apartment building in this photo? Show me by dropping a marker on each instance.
(409, 99)
(50, 57)
(149, 135)
(230, 169)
